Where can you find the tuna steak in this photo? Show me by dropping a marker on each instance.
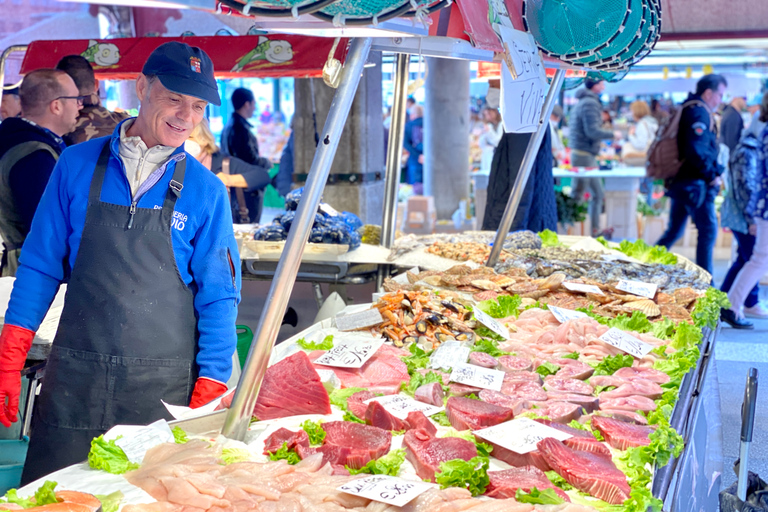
(504, 484)
(592, 473)
(426, 452)
(483, 359)
(515, 403)
(292, 439)
(559, 412)
(572, 369)
(356, 405)
(431, 393)
(465, 413)
(382, 373)
(353, 444)
(378, 416)
(514, 364)
(622, 435)
(416, 420)
(291, 387)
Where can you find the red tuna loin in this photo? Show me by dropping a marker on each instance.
(291, 387)
(483, 359)
(353, 444)
(431, 393)
(622, 435)
(426, 452)
(293, 439)
(382, 373)
(589, 472)
(356, 405)
(573, 386)
(378, 416)
(417, 420)
(465, 413)
(504, 484)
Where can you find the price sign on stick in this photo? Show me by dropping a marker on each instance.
(638, 288)
(626, 342)
(386, 489)
(477, 376)
(350, 353)
(522, 97)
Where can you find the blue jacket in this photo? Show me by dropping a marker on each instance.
(742, 180)
(202, 240)
(697, 145)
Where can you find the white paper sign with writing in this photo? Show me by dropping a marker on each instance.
(563, 315)
(329, 210)
(136, 445)
(386, 489)
(477, 376)
(626, 342)
(522, 98)
(399, 406)
(520, 435)
(583, 288)
(491, 323)
(448, 355)
(638, 288)
(360, 320)
(350, 353)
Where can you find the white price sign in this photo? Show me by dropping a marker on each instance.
(638, 288)
(626, 342)
(477, 376)
(399, 406)
(448, 355)
(522, 96)
(583, 288)
(329, 210)
(137, 444)
(386, 489)
(563, 315)
(491, 323)
(361, 320)
(520, 435)
(350, 353)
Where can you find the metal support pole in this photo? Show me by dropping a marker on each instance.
(525, 168)
(394, 151)
(4, 57)
(239, 415)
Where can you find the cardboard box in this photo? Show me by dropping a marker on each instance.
(420, 215)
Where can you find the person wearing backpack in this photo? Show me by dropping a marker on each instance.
(685, 155)
(29, 148)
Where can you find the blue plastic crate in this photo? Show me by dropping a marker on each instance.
(12, 456)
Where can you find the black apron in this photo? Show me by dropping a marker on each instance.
(128, 333)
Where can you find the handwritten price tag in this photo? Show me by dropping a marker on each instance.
(522, 96)
(583, 288)
(329, 210)
(386, 489)
(638, 288)
(350, 354)
(448, 355)
(626, 342)
(136, 445)
(399, 406)
(520, 435)
(477, 376)
(491, 323)
(563, 315)
(361, 320)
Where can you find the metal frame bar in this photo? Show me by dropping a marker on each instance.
(239, 415)
(525, 168)
(4, 57)
(394, 150)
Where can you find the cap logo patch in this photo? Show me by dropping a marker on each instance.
(195, 64)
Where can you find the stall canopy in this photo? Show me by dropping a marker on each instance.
(257, 56)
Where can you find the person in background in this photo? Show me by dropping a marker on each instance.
(586, 133)
(757, 210)
(239, 175)
(695, 186)
(11, 103)
(558, 148)
(639, 140)
(29, 149)
(238, 140)
(734, 215)
(94, 120)
(607, 120)
(490, 137)
(658, 112)
(731, 123)
(284, 178)
(410, 101)
(413, 143)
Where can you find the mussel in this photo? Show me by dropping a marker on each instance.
(450, 306)
(442, 338)
(406, 305)
(407, 340)
(466, 336)
(421, 327)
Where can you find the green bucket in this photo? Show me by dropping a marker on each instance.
(244, 339)
(12, 456)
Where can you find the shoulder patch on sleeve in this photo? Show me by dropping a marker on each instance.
(699, 128)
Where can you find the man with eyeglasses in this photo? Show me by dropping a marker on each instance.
(29, 148)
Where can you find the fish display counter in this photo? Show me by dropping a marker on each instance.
(520, 388)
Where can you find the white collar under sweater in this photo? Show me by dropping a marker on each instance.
(139, 160)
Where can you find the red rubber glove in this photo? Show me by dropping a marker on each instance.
(15, 342)
(206, 390)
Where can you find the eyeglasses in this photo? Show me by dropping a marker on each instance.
(80, 99)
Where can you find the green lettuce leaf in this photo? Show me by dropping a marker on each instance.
(12, 497)
(314, 431)
(326, 344)
(418, 380)
(233, 455)
(284, 453)
(706, 312)
(348, 416)
(489, 347)
(44, 495)
(501, 307)
(339, 397)
(471, 475)
(179, 436)
(549, 239)
(537, 497)
(646, 253)
(386, 465)
(610, 364)
(547, 368)
(572, 355)
(110, 502)
(558, 481)
(418, 359)
(109, 457)
(441, 419)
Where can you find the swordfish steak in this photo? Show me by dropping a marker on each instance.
(383, 373)
(622, 435)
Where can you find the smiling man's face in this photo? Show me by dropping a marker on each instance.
(166, 118)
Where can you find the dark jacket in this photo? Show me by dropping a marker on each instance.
(758, 201)
(29, 177)
(538, 209)
(586, 123)
(697, 145)
(731, 126)
(256, 176)
(413, 142)
(284, 177)
(742, 181)
(94, 121)
(237, 140)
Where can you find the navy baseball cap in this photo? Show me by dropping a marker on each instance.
(184, 69)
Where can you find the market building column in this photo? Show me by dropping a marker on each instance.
(356, 181)
(446, 134)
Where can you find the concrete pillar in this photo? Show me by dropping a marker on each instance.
(361, 150)
(446, 134)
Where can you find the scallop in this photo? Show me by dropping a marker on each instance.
(648, 307)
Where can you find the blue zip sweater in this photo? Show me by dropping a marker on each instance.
(202, 238)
